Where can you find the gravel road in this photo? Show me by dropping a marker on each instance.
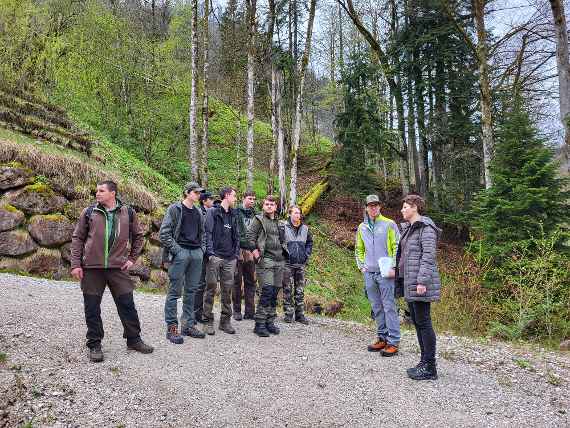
(309, 376)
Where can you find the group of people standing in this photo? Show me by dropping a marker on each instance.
(218, 245)
(207, 245)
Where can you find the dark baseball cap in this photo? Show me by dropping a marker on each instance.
(193, 187)
(205, 195)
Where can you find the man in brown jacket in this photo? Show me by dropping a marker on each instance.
(99, 257)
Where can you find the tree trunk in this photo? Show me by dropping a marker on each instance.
(205, 109)
(193, 138)
(251, 9)
(563, 64)
(280, 144)
(298, 105)
(272, 91)
(484, 82)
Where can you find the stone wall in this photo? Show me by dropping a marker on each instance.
(37, 222)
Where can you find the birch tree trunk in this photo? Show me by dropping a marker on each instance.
(193, 136)
(484, 82)
(280, 143)
(205, 109)
(251, 10)
(272, 91)
(298, 104)
(563, 64)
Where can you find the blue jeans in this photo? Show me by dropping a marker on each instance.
(380, 293)
(184, 274)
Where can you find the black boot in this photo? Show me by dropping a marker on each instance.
(413, 370)
(427, 371)
(260, 329)
(272, 328)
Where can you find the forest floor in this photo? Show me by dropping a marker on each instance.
(316, 375)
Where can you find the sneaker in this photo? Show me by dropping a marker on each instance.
(96, 354)
(376, 346)
(288, 318)
(193, 332)
(272, 328)
(226, 327)
(141, 347)
(261, 329)
(173, 335)
(428, 371)
(389, 351)
(413, 370)
(248, 316)
(302, 319)
(237, 316)
(209, 329)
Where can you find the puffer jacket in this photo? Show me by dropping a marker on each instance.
(299, 243)
(419, 260)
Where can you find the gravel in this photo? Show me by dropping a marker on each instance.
(308, 376)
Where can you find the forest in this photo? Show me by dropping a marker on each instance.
(466, 103)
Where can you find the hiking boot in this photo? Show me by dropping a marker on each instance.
(272, 328)
(302, 319)
(193, 332)
(377, 345)
(413, 370)
(226, 326)
(389, 351)
(209, 329)
(141, 347)
(288, 318)
(261, 329)
(96, 354)
(248, 316)
(237, 316)
(173, 335)
(427, 371)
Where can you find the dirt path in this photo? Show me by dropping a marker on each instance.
(320, 375)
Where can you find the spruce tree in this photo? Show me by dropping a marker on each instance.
(528, 197)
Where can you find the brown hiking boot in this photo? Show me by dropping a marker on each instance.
(389, 351)
(376, 346)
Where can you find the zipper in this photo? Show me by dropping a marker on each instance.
(106, 239)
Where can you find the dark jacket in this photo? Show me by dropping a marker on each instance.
(299, 242)
(220, 241)
(169, 233)
(245, 218)
(91, 246)
(264, 229)
(418, 260)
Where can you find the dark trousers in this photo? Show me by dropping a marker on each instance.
(420, 314)
(199, 298)
(93, 286)
(245, 271)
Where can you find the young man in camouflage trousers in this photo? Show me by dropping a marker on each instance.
(266, 236)
(299, 247)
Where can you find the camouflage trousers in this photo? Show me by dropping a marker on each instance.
(270, 276)
(294, 290)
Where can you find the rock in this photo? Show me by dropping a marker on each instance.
(10, 264)
(65, 251)
(140, 270)
(16, 243)
(156, 222)
(14, 176)
(333, 307)
(50, 230)
(154, 256)
(154, 239)
(74, 208)
(159, 278)
(36, 199)
(565, 345)
(10, 217)
(145, 223)
(44, 261)
(137, 282)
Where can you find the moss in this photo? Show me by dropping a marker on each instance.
(40, 188)
(49, 217)
(9, 208)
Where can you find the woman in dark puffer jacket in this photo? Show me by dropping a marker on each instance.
(417, 270)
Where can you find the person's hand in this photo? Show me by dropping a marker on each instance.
(421, 289)
(128, 264)
(256, 254)
(77, 273)
(392, 273)
(363, 269)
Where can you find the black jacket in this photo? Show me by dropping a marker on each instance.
(222, 239)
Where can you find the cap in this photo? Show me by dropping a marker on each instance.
(192, 186)
(372, 199)
(205, 195)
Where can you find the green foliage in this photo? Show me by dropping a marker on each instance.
(527, 198)
(3, 357)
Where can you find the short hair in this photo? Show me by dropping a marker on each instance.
(294, 207)
(226, 191)
(270, 198)
(415, 200)
(249, 193)
(110, 184)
